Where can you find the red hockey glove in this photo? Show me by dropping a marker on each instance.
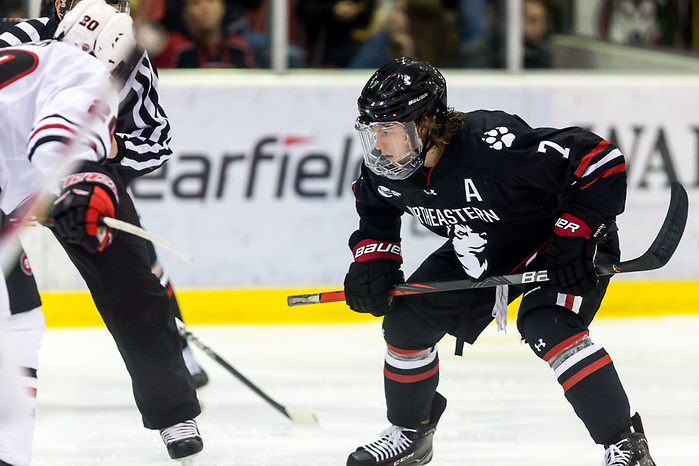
(375, 270)
(571, 253)
(85, 197)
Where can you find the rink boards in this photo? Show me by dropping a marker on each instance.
(265, 306)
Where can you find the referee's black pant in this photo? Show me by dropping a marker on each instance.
(136, 310)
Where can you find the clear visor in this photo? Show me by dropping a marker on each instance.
(391, 149)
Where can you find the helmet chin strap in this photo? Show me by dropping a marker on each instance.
(423, 153)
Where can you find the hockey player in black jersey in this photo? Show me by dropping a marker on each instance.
(142, 139)
(508, 198)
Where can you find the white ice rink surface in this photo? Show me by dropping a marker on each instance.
(505, 407)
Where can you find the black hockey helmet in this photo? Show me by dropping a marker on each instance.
(402, 91)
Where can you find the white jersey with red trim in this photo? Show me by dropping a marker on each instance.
(45, 106)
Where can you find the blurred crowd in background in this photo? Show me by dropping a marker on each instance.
(368, 33)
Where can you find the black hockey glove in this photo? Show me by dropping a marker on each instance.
(375, 270)
(85, 197)
(571, 253)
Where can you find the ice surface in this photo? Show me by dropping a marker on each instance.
(505, 407)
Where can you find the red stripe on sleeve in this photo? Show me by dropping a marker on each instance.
(612, 171)
(55, 125)
(588, 158)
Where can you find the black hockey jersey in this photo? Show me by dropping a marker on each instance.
(143, 130)
(497, 190)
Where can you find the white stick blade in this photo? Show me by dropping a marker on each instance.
(302, 416)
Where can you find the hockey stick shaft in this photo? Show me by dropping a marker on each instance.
(295, 415)
(657, 255)
(131, 229)
(141, 233)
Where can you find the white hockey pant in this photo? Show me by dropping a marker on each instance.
(20, 338)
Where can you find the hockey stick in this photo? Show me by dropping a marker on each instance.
(303, 416)
(126, 227)
(657, 255)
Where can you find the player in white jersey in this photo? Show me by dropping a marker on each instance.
(46, 111)
(143, 144)
(52, 116)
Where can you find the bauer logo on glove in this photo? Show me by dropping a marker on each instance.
(369, 250)
(572, 249)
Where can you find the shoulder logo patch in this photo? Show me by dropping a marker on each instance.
(498, 138)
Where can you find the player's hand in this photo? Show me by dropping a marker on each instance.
(375, 270)
(85, 197)
(571, 253)
(367, 285)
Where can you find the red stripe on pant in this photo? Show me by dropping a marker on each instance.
(559, 348)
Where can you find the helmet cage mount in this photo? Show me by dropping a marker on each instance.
(392, 150)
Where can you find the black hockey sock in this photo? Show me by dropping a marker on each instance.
(410, 382)
(601, 403)
(584, 369)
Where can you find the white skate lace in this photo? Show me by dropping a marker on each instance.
(615, 456)
(391, 443)
(181, 431)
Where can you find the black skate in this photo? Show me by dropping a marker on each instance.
(183, 441)
(632, 450)
(401, 445)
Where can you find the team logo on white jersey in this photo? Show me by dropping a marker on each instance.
(386, 192)
(24, 264)
(498, 138)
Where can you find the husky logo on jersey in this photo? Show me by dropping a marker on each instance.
(386, 192)
(469, 246)
(498, 138)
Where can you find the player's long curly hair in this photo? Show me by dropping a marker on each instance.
(439, 132)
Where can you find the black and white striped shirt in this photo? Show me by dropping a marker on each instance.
(142, 130)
